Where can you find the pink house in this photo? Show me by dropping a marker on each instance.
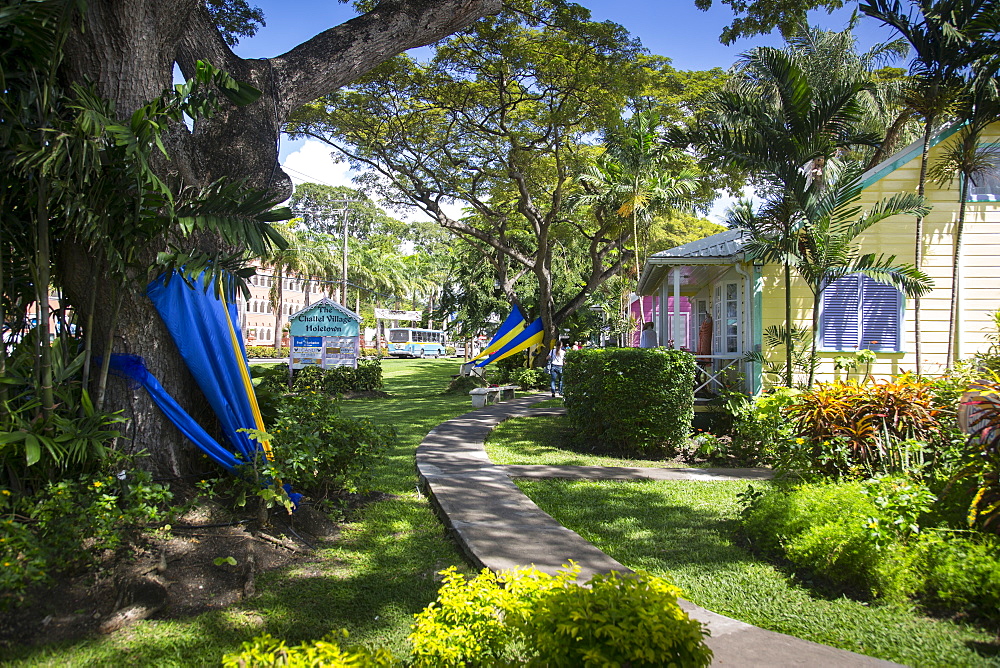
(647, 309)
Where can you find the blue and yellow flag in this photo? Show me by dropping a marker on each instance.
(532, 335)
(510, 328)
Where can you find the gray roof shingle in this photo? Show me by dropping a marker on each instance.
(721, 245)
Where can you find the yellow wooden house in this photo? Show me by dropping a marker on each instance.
(735, 300)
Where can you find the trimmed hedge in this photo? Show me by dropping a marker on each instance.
(266, 353)
(269, 353)
(631, 400)
(341, 379)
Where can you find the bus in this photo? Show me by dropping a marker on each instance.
(413, 342)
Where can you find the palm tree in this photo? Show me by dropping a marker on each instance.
(305, 255)
(969, 160)
(946, 37)
(769, 236)
(379, 269)
(827, 248)
(775, 124)
(638, 177)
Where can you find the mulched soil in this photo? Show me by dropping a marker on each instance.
(171, 576)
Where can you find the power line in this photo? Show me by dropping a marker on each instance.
(323, 281)
(312, 179)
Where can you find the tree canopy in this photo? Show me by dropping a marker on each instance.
(501, 121)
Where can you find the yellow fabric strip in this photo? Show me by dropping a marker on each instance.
(245, 374)
(533, 341)
(504, 340)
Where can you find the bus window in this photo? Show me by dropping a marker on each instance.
(399, 336)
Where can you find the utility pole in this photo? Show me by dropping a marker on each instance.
(343, 279)
(345, 218)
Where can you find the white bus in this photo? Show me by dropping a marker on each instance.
(413, 342)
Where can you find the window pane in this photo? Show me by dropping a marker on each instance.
(839, 317)
(985, 188)
(879, 316)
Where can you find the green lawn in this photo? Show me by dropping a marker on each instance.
(371, 580)
(544, 440)
(687, 531)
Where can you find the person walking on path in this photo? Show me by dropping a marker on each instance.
(556, 358)
(648, 337)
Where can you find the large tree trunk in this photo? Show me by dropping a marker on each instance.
(128, 50)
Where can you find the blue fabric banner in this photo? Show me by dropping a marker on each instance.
(132, 367)
(532, 335)
(204, 335)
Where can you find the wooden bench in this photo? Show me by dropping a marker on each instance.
(482, 396)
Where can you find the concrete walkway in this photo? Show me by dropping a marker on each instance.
(500, 528)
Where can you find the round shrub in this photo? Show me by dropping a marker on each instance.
(631, 400)
(529, 617)
(265, 651)
(620, 620)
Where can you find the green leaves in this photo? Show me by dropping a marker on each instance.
(613, 619)
(629, 399)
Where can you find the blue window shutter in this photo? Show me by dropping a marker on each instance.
(880, 306)
(839, 321)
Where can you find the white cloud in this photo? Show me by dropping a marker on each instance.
(313, 163)
(717, 213)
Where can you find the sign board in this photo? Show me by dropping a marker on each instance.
(324, 334)
(389, 314)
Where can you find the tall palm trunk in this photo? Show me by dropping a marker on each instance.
(817, 296)
(788, 322)
(279, 286)
(918, 249)
(956, 273)
(42, 298)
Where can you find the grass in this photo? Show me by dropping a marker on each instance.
(371, 580)
(545, 440)
(687, 531)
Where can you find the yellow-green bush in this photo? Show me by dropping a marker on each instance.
(529, 617)
(962, 573)
(475, 621)
(620, 620)
(855, 534)
(264, 651)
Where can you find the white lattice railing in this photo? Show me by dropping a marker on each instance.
(711, 371)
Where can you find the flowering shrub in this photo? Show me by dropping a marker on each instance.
(68, 524)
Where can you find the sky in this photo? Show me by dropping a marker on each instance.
(672, 28)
